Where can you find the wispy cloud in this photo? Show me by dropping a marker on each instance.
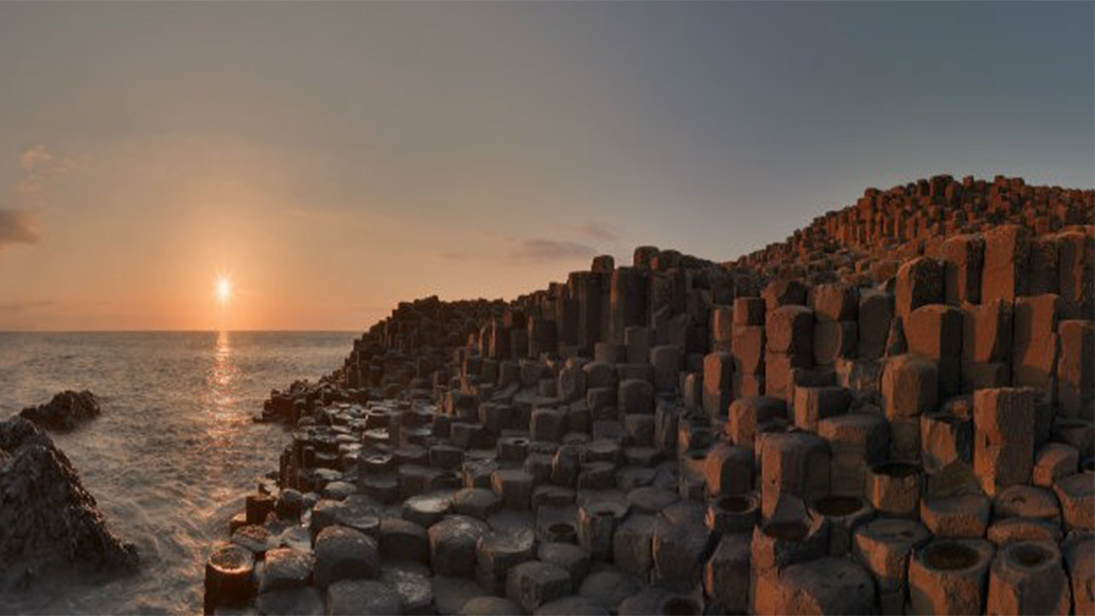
(17, 227)
(461, 255)
(597, 231)
(510, 250)
(9, 308)
(542, 250)
(37, 164)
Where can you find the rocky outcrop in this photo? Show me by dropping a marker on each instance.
(65, 411)
(890, 411)
(47, 518)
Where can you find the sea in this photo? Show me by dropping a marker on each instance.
(174, 452)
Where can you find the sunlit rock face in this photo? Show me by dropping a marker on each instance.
(65, 411)
(879, 415)
(47, 518)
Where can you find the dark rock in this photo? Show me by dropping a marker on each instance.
(64, 411)
(364, 597)
(46, 515)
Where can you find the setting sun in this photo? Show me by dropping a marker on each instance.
(223, 290)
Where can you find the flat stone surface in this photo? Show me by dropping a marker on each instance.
(344, 553)
(286, 568)
(365, 597)
(306, 601)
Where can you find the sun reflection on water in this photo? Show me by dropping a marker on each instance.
(223, 375)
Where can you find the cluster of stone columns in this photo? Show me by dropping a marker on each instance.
(913, 434)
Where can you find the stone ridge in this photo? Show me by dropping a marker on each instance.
(891, 412)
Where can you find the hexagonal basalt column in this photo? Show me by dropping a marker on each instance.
(948, 576)
(1027, 578)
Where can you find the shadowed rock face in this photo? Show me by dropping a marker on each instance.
(47, 518)
(64, 411)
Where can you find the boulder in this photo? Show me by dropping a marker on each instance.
(46, 515)
(65, 411)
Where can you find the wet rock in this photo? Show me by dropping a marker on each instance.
(306, 601)
(534, 583)
(452, 545)
(344, 553)
(475, 502)
(364, 597)
(286, 568)
(451, 594)
(258, 507)
(412, 583)
(65, 411)
(571, 606)
(490, 606)
(46, 516)
(403, 540)
(229, 577)
(498, 551)
(569, 557)
(255, 539)
(513, 488)
(427, 509)
(289, 504)
(607, 588)
(596, 524)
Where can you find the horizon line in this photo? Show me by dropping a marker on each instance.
(179, 331)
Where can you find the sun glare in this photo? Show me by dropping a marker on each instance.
(223, 290)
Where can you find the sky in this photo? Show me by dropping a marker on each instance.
(334, 159)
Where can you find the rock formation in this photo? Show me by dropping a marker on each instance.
(65, 411)
(891, 412)
(47, 518)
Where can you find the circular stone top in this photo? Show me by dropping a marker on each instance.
(950, 556)
(736, 503)
(232, 559)
(1030, 554)
(897, 469)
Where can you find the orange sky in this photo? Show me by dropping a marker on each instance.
(337, 158)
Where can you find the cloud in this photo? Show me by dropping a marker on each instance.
(540, 250)
(597, 231)
(460, 255)
(9, 308)
(37, 164)
(17, 227)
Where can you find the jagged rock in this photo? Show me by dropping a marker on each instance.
(46, 516)
(65, 411)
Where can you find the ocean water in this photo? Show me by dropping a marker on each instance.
(174, 451)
